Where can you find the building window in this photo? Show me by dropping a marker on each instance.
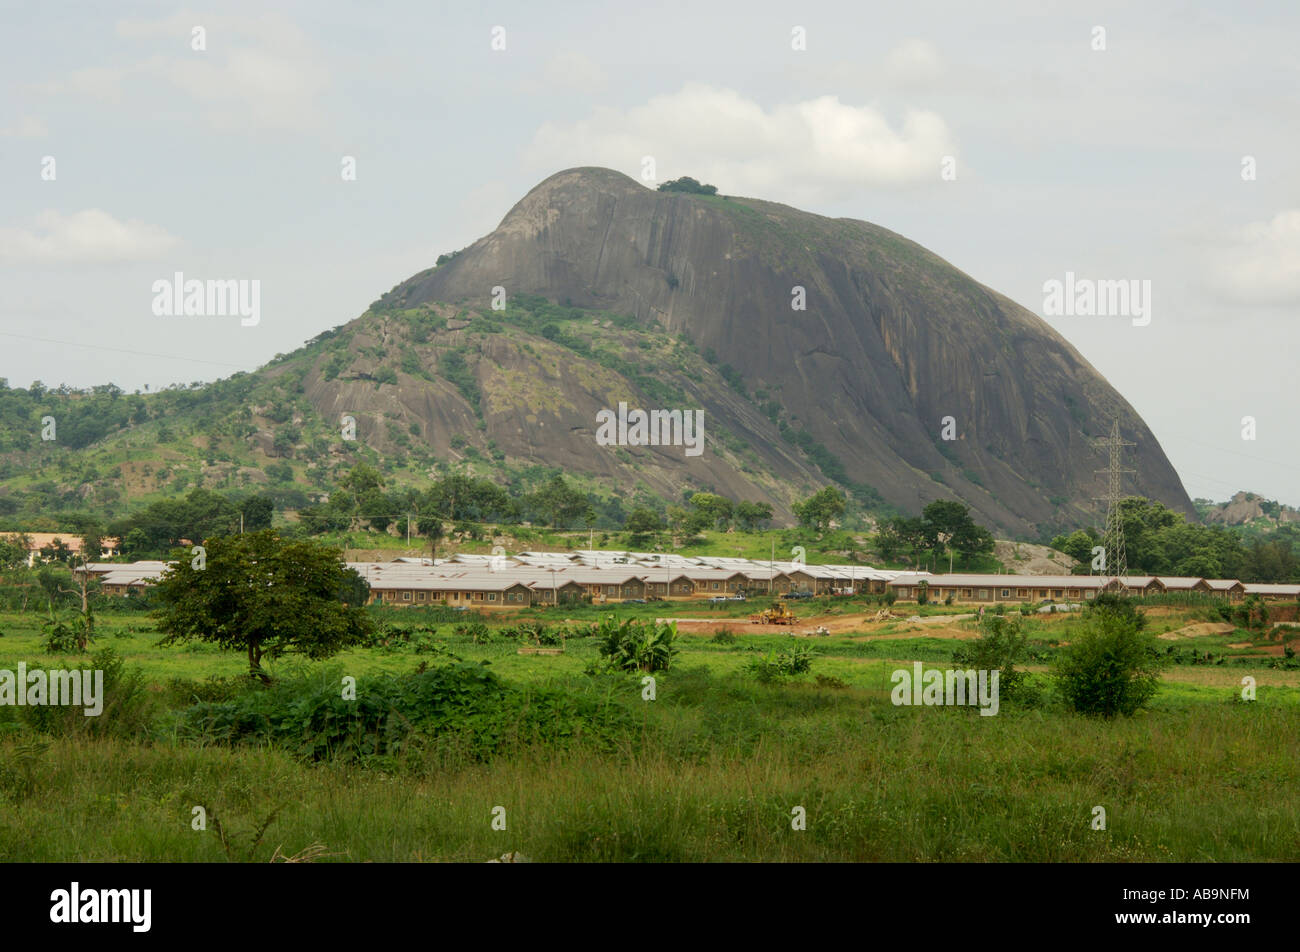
(419, 596)
(715, 586)
(492, 596)
(1089, 594)
(406, 596)
(1022, 593)
(1006, 593)
(984, 593)
(965, 593)
(1074, 593)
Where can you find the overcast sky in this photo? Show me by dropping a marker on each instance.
(1117, 163)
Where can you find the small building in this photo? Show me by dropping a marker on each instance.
(1272, 592)
(1184, 585)
(677, 584)
(709, 582)
(1228, 588)
(982, 588)
(37, 543)
(129, 578)
(465, 591)
(559, 591)
(763, 579)
(1141, 585)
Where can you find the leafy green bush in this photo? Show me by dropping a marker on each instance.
(634, 645)
(1001, 645)
(723, 638)
(459, 707)
(1113, 667)
(127, 706)
(63, 638)
(536, 633)
(476, 631)
(774, 666)
(181, 692)
(688, 185)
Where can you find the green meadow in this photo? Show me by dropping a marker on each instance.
(578, 766)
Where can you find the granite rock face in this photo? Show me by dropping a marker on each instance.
(892, 341)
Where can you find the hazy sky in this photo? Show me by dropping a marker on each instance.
(1128, 162)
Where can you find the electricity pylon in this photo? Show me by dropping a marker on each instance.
(1112, 543)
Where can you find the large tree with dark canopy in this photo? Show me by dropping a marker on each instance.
(264, 595)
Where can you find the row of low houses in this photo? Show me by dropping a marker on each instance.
(548, 578)
(1077, 588)
(542, 578)
(532, 578)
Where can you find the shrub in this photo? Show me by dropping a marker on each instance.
(633, 645)
(1113, 667)
(63, 638)
(127, 705)
(535, 633)
(723, 638)
(475, 631)
(1001, 645)
(775, 666)
(461, 708)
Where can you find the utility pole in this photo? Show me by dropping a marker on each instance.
(241, 523)
(1115, 561)
(771, 570)
(408, 530)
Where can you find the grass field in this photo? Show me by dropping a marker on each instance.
(712, 769)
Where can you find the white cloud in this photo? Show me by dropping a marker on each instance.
(914, 63)
(27, 127)
(91, 235)
(570, 70)
(803, 151)
(255, 71)
(95, 82)
(1260, 262)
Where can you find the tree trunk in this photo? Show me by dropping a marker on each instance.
(255, 664)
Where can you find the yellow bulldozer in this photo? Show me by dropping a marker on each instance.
(778, 614)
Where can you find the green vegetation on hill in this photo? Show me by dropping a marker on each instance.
(688, 185)
(1159, 541)
(262, 434)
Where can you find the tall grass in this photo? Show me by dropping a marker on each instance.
(877, 782)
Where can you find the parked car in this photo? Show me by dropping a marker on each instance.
(797, 595)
